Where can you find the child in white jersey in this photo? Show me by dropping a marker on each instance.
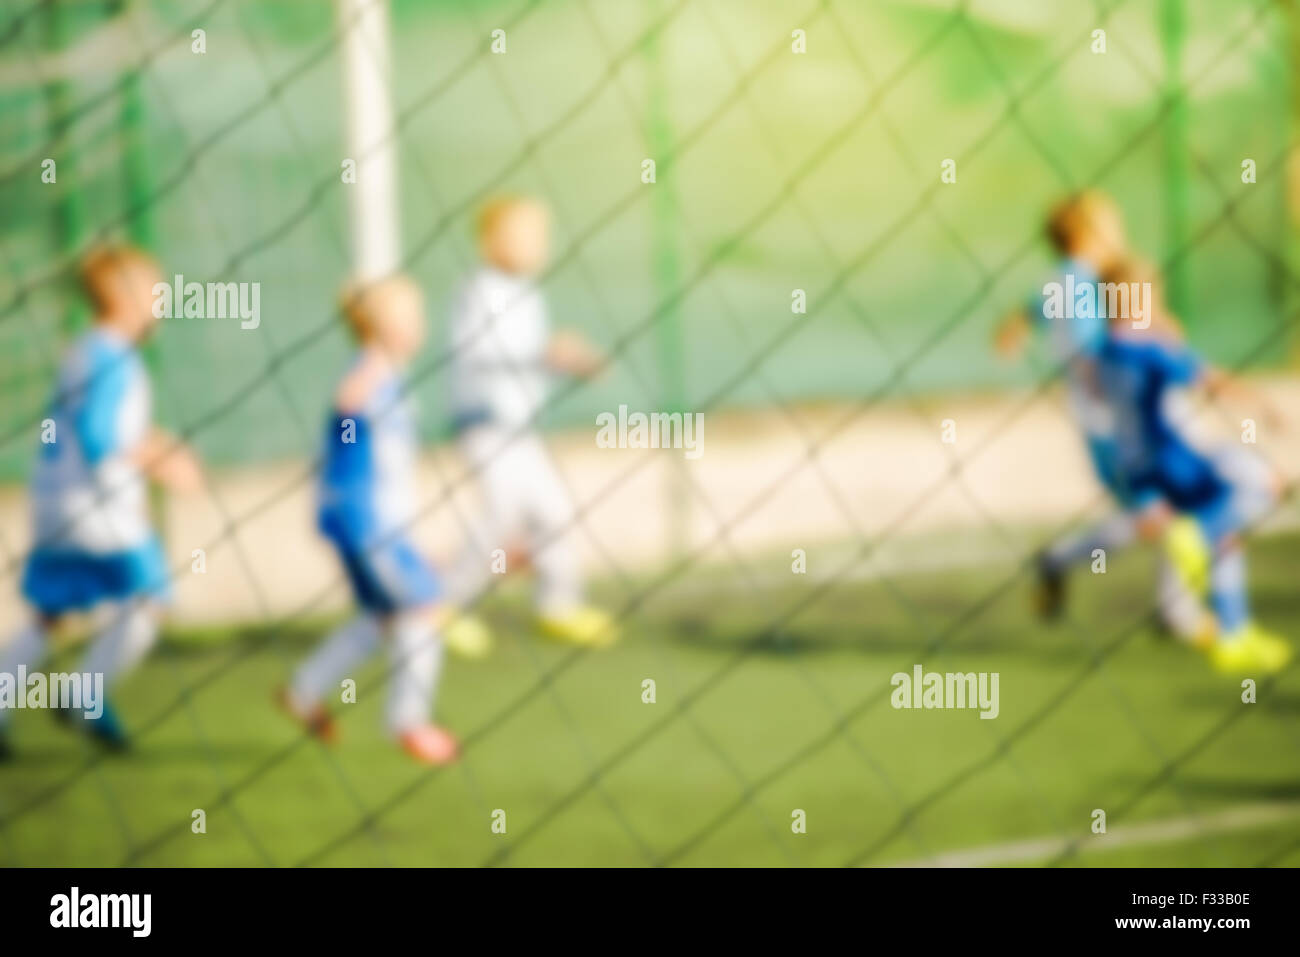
(503, 355)
(93, 542)
(367, 504)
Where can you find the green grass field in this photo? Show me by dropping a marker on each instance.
(769, 698)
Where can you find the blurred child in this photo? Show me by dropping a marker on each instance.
(503, 356)
(1164, 473)
(1086, 230)
(367, 504)
(93, 543)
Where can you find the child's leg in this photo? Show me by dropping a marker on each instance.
(416, 655)
(1181, 609)
(1178, 602)
(1242, 648)
(1256, 487)
(1228, 596)
(1249, 495)
(28, 649)
(1111, 533)
(343, 650)
(551, 518)
(493, 457)
(561, 611)
(124, 642)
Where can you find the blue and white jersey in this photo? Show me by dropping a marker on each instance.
(87, 494)
(1069, 312)
(367, 481)
(1155, 457)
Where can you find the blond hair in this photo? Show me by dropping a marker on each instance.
(101, 271)
(498, 209)
(1132, 269)
(363, 304)
(1075, 214)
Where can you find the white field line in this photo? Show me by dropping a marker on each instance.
(1241, 817)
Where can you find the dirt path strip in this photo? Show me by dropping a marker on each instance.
(1014, 459)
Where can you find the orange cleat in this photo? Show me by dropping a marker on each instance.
(430, 744)
(316, 720)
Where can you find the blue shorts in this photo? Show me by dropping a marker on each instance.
(389, 577)
(1249, 494)
(58, 580)
(1234, 493)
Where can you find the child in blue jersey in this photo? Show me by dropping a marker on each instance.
(1087, 233)
(367, 505)
(93, 543)
(1165, 472)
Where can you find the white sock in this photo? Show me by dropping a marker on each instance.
(1109, 534)
(28, 649)
(123, 643)
(343, 650)
(1180, 609)
(416, 653)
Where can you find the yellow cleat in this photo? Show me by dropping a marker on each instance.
(1275, 651)
(1189, 553)
(1205, 634)
(584, 625)
(467, 637)
(1248, 650)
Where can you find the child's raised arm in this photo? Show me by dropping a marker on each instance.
(1011, 334)
(168, 461)
(570, 353)
(1221, 384)
(361, 381)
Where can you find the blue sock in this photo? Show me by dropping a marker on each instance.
(1228, 589)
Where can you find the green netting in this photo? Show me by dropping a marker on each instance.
(788, 174)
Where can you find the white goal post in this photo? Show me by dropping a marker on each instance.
(370, 140)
